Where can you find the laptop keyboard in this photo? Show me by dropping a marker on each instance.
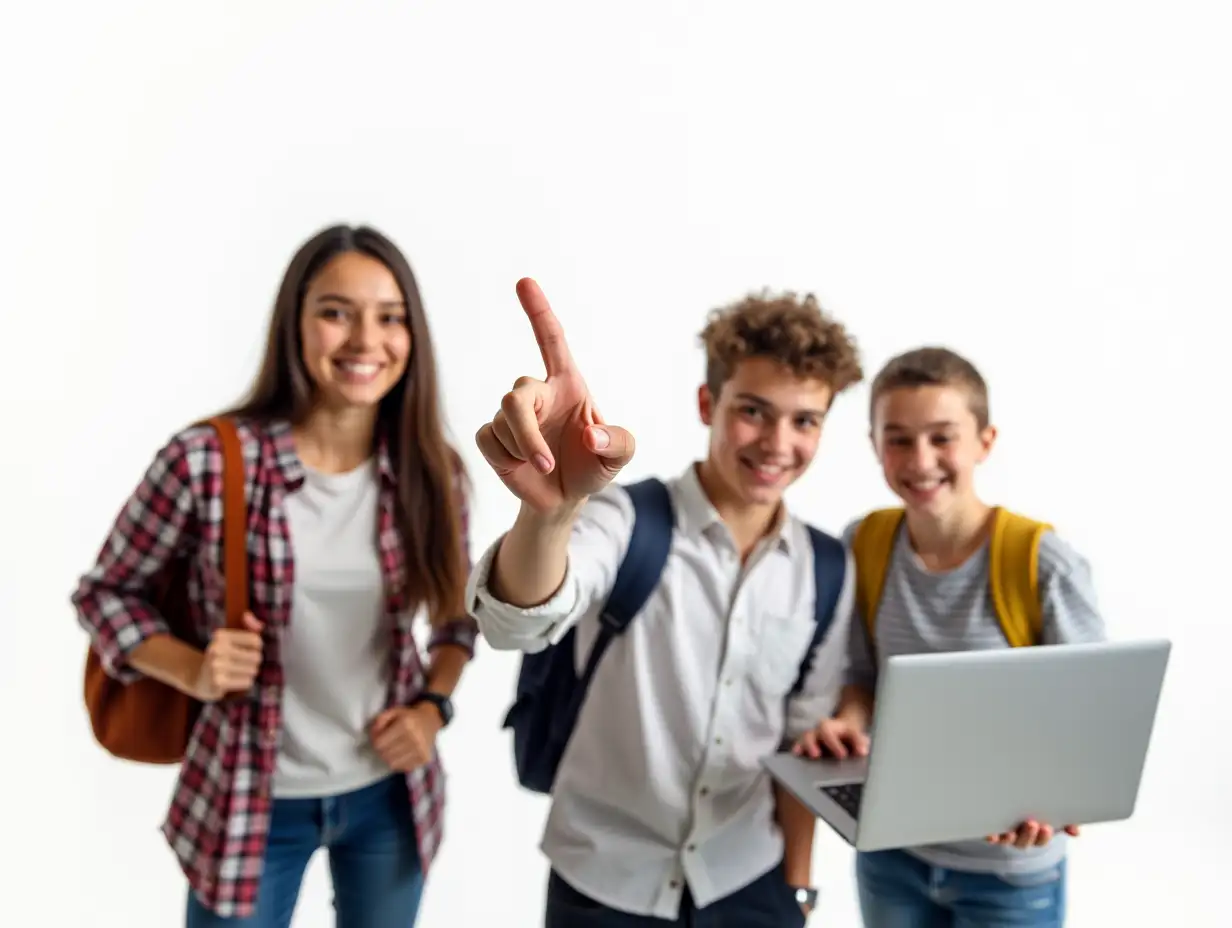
(847, 796)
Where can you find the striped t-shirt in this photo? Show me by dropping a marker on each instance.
(924, 611)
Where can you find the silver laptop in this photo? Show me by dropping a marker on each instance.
(971, 743)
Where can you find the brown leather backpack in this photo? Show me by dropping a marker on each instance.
(148, 721)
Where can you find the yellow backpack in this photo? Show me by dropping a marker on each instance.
(1013, 568)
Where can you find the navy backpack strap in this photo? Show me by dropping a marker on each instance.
(639, 572)
(829, 572)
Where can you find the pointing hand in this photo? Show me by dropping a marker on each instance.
(548, 443)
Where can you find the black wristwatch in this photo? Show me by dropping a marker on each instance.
(444, 705)
(806, 896)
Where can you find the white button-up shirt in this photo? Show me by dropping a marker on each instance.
(661, 782)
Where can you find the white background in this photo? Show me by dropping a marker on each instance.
(1043, 186)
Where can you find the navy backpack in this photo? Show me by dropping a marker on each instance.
(549, 692)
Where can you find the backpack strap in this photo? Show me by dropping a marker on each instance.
(649, 545)
(1013, 559)
(829, 572)
(872, 546)
(234, 522)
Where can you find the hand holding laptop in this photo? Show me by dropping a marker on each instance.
(1030, 832)
(999, 744)
(843, 736)
(839, 736)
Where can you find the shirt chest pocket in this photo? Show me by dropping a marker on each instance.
(779, 646)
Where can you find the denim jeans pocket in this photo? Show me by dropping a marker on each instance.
(1033, 879)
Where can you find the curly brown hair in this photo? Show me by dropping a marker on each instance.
(791, 329)
(933, 366)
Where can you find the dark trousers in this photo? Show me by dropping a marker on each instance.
(767, 902)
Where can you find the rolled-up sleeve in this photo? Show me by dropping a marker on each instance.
(819, 693)
(597, 544)
(113, 601)
(461, 631)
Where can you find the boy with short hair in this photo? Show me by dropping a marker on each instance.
(931, 430)
(661, 812)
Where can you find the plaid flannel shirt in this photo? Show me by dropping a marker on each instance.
(220, 812)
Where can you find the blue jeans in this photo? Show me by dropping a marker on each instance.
(373, 860)
(767, 902)
(898, 890)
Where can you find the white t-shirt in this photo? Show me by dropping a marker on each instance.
(336, 649)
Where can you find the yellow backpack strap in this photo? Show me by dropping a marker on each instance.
(1013, 559)
(871, 547)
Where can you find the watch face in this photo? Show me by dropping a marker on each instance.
(443, 704)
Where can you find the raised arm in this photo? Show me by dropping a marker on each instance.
(595, 547)
(552, 449)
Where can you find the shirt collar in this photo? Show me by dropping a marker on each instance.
(698, 515)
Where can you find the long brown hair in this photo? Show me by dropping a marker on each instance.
(430, 473)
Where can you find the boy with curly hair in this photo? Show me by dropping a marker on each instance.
(931, 429)
(661, 811)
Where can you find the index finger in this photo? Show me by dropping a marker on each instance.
(548, 332)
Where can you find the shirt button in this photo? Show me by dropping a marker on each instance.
(691, 848)
(704, 791)
(674, 884)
